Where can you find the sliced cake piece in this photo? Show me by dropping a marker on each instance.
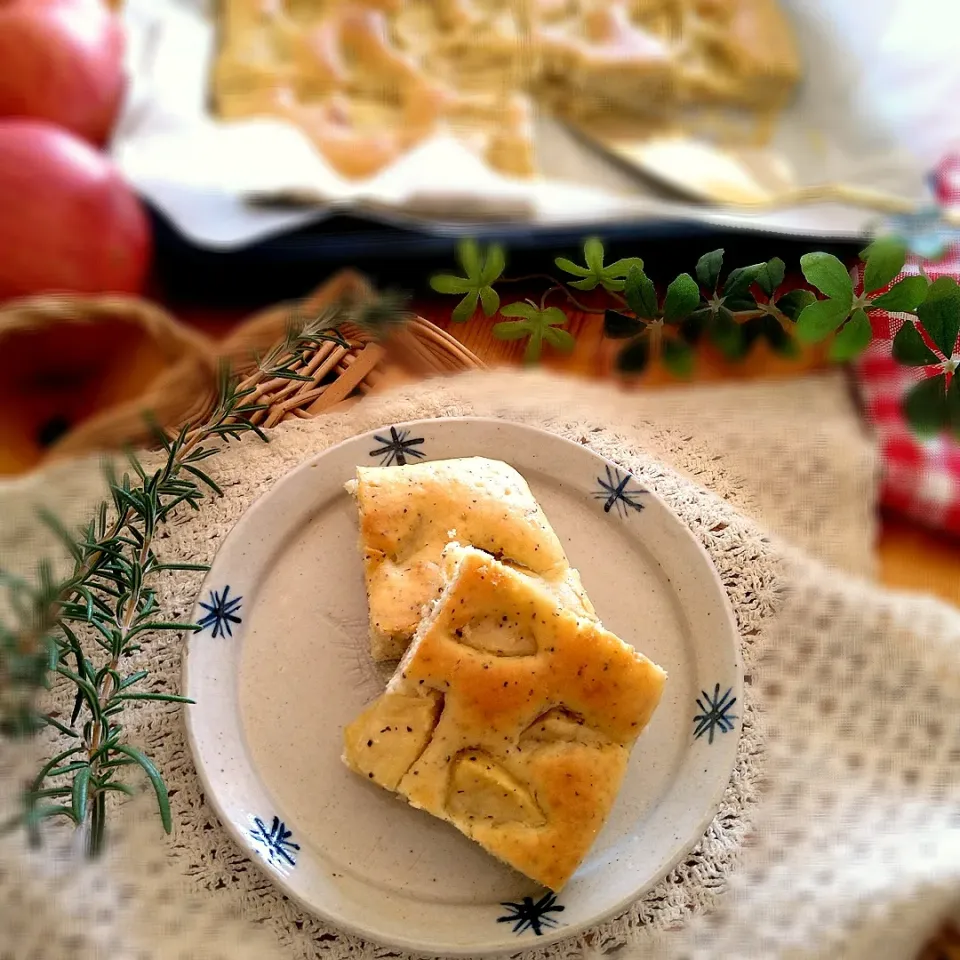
(408, 514)
(602, 62)
(746, 55)
(509, 717)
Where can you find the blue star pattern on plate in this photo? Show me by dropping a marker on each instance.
(276, 840)
(532, 915)
(221, 613)
(398, 448)
(714, 713)
(615, 490)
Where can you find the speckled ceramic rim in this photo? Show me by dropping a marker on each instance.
(232, 785)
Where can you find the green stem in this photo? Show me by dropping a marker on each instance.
(98, 822)
(582, 307)
(527, 278)
(555, 285)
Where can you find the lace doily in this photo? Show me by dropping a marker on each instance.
(857, 689)
(855, 848)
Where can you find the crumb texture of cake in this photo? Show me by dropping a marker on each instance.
(409, 514)
(521, 741)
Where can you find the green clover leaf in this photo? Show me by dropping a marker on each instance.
(883, 260)
(640, 294)
(447, 283)
(568, 266)
(489, 300)
(677, 357)
(940, 314)
(925, 406)
(854, 337)
(526, 309)
(468, 253)
(593, 254)
(522, 308)
(595, 274)
(536, 324)
(770, 276)
(904, 296)
(708, 269)
(825, 272)
(682, 298)
(561, 339)
(493, 265)
(909, 347)
(618, 270)
(552, 317)
(511, 331)
(466, 308)
(481, 272)
(818, 320)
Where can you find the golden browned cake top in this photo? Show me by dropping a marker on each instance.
(484, 502)
(368, 80)
(408, 514)
(511, 718)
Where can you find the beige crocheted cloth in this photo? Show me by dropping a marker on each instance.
(839, 835)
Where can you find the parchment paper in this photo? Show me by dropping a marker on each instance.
(878, 107)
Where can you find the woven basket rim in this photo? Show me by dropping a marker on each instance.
(184, 390)
(175, 338)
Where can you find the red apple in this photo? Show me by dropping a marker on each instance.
(68, 220)
(62, 61)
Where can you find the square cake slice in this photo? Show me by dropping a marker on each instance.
(409, 513)
(510, 717)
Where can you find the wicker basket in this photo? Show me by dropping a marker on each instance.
(340, 376)
(68, 361)
(180, 384)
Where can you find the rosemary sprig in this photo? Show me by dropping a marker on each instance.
(84, 630)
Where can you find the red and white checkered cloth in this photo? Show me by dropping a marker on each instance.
(921, 477)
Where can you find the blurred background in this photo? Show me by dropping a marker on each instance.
(172, 172)
(209, 160)
(743, 215)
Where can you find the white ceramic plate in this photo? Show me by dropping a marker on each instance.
(282, 664)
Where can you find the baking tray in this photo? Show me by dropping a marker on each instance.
(292, 263)
(877, 108)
